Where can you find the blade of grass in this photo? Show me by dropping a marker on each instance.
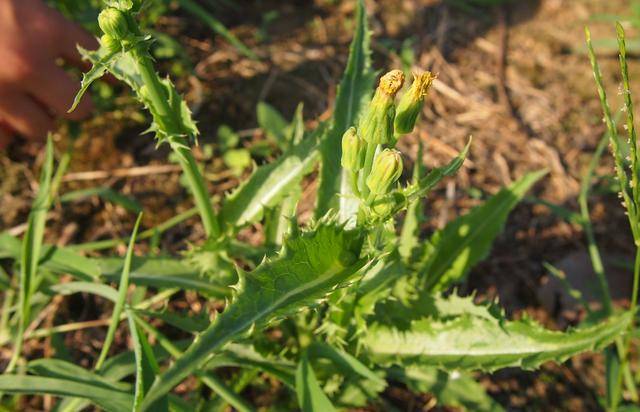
(108, 399)
(31, 245)
(146, 366)
(122, 295)
(207, 378)
(98, 289)
(311, 397)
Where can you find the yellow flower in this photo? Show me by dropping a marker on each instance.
(376, 126)
(411, 103)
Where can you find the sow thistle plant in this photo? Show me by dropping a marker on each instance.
(358, 297)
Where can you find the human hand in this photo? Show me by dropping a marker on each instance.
(33, 88)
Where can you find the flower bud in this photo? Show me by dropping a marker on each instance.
(111, 44)
(376, 126)
(411, 103)
(114, 23)
(387, 168)
(353, 150)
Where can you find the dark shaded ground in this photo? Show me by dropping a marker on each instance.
(513, 77)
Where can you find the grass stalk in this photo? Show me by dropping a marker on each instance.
(122, 296)
(30, 256)
(630, 200)
(212, 381)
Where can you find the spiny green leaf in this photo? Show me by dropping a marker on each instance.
(311, 397)
(470, 342)
(125, 69)
(309, 267)
(100, 59)
(109, 399)
(121, 66)
(268, 185)
(353, 93)
(467, 240)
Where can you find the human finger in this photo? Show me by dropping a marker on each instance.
(24, 115)
(6, 136)
(70, 36)
(56, 90)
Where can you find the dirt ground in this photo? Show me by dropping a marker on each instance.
(514, 77)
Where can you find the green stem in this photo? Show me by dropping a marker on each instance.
(157, 96)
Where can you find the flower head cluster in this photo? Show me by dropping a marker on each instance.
(368, 153)
(117, 28)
